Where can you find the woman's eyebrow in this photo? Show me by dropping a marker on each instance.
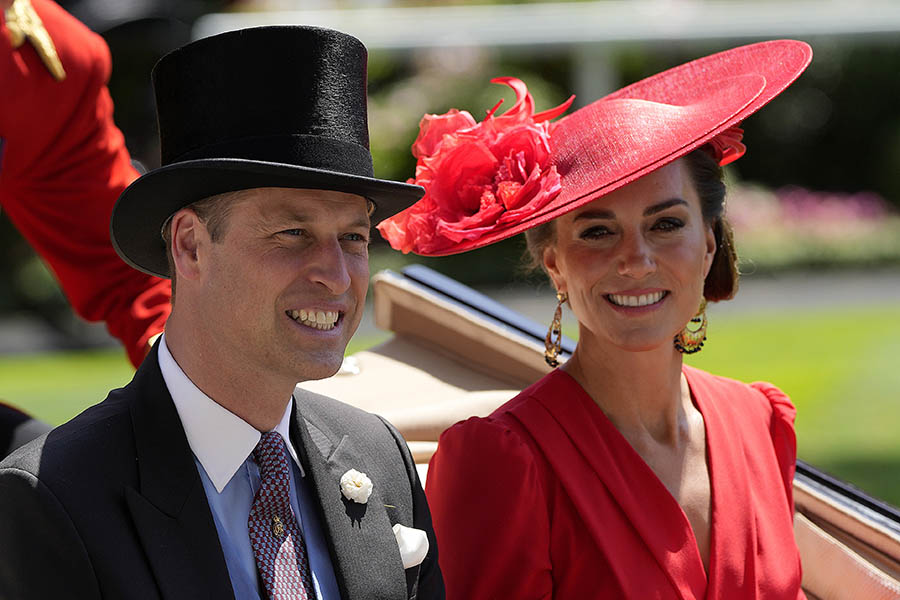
(595, 214)
(608, 214)
(652, 210)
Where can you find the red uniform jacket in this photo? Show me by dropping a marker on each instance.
(63, 165)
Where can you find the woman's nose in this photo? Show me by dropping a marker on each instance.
(636, 258)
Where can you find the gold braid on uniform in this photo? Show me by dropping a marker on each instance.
(23, 23)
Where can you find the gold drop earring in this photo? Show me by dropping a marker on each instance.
(690, 339)
(553, 341)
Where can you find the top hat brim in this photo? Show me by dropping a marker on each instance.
(653, 122)
(144, 206)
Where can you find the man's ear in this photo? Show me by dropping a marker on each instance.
(549, 258)
(189, 239)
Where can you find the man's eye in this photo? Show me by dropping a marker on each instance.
(595, 232)
(668, 224)
(356, 237)
(291, 232)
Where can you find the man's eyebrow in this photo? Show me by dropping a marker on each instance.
(286, 214)
(365, 223)
(292, 216)
(652, 210)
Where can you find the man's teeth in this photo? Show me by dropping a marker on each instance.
(642, 300)
(319, 319)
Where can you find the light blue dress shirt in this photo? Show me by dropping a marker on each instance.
(222, 443)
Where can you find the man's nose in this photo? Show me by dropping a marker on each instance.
(327, 266)
(635, 260)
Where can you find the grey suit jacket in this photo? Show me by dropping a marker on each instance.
(110, 504)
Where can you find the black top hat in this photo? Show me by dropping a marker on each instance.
(261, 107)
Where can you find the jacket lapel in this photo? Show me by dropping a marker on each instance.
(169, 508)
(364, 552)
(628, 511)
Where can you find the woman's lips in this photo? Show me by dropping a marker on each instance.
(637, 300)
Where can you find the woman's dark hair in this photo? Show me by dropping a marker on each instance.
(722, 280)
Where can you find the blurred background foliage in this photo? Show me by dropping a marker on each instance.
(834, 133)
(818, 190)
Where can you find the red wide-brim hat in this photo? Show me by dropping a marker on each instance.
(488, 181)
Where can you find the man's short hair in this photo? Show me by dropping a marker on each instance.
(212, 212)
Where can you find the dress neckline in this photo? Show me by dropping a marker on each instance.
(690, 558)
(612, 488)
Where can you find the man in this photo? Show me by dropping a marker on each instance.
(204, 477)
(63, 163)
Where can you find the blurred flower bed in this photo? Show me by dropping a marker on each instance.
(793, 227)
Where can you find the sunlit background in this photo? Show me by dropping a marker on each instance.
(814, 202)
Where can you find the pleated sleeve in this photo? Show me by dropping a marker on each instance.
(784, 439)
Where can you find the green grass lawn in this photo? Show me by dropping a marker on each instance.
(54, 387)
(841, 368)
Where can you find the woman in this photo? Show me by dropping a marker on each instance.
(624, 473)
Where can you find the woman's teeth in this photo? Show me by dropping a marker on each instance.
(642, 300)
(318, 319)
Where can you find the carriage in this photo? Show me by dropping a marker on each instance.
(456, 353)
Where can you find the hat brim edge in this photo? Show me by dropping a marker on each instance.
(769, 93)
(145, 205)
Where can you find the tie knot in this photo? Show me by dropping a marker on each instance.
(270, 456)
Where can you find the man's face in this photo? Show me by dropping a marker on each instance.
(285, 286)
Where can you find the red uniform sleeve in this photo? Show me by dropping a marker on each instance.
(490, 514)
(63, 166)
(784, 439)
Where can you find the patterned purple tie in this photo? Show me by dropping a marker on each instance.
(274, 534)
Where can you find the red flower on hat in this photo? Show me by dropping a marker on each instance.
(477, 176)
(727, 147)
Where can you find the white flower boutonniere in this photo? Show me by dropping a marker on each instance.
(356, 486)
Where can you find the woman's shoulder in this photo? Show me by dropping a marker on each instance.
(489, 453)
(501, 433)
(498, 431)
(781, 404)
(761, 395)
(754, 407)
(758, 406)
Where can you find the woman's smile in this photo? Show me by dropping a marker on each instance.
(638, 301)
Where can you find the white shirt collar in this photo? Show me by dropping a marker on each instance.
(219, 439)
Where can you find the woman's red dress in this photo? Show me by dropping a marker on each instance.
(546, 499)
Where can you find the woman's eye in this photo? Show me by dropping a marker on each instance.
(595, 232)
(668, 224)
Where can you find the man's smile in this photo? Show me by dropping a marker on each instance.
(316, 318)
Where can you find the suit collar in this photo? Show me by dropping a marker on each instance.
(363, 548)
(219, 439)
(169, 507)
